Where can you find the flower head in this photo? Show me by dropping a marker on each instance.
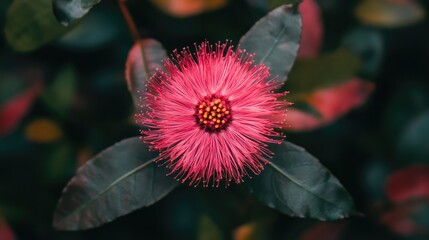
(212, 114)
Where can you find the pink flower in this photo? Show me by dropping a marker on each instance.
(212, 114)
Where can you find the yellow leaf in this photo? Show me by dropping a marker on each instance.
(207, 229)
(389, 13)
(43, 131)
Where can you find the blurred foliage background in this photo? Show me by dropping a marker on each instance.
(360, 88)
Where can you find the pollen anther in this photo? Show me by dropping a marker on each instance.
(213, 113)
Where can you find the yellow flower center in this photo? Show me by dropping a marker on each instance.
(213, 113)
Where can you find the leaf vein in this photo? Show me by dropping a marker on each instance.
(295, 181)
(123, 177)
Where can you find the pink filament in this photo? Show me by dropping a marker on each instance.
(192, 153)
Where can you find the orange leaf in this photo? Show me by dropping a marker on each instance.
(186, 8)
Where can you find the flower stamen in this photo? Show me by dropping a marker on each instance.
(213, 113)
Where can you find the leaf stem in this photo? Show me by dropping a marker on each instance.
(129, 20)
(137, 40)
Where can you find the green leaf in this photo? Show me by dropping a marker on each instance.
(296, 184)
(67, 11)
(31, 24)
(59, 163)
(276, 3)
(60, 95)
(143, 60)
(275, 40)
(120, 179)
(13, 211)
(208, 230)
(309, 75)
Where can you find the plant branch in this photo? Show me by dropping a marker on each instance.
(129, 20)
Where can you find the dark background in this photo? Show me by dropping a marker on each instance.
(362, 148)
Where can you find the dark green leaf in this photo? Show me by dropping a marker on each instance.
(14, 143)
(275, 40)
(374, 178)
(309, 75)
(414, 143)
(367, 44)
(60, 95)
(421, 217)
(99, 28)
(10, 85)
(67, 11)
(118, 180)
(59, 163)
(143, 60)
(296, 184)
(270, 4)
(410, 99)
(31, 24)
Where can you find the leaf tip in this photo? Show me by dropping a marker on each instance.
(59, 14)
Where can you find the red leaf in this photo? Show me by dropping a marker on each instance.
(14, 109)
(331, 103)
(5, 231)
(399, 219)
(143, 61)
(324, 231)
(312, 29)
(336, 101)
(301, 121)
(408, 183)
